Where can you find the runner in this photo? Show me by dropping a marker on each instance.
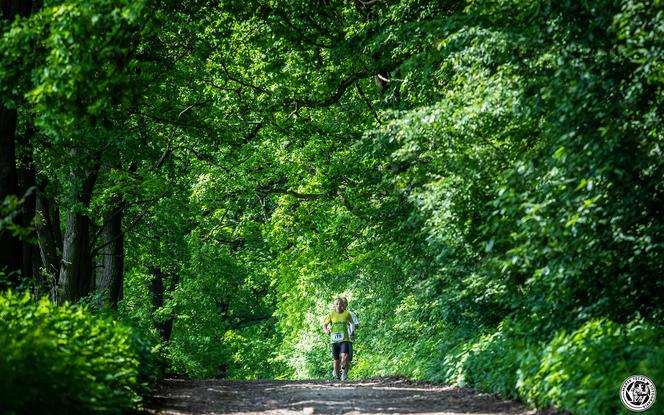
(351, 331)
(336, 325)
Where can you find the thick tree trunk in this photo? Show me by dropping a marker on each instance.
(76, 273)
(110, 275)
(49, 235)
(76, 265)
(158, 290)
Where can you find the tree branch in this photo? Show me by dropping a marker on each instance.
(343, 86)
(336, 96)
(304, 196)
(254, 132)
(366, 101)
(241, 82)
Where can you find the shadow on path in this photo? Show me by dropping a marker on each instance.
(175, 397)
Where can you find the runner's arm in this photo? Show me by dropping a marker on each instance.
(356, 322)
(351, 325)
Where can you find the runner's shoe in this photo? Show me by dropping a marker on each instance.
(343, 375)
(335, 375)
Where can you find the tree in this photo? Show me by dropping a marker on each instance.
(11, 247)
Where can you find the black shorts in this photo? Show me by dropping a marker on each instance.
(338, 348)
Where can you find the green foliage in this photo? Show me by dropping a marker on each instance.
(514, 182)
(66, 360)
(581, 371)
(10, 209)
(484, 180)
(84, 51)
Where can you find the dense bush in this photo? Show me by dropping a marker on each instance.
(63, 359)
(580, 371)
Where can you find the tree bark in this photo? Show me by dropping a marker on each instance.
(110, 275)
(49, 235)
(74, 282)
(76, 273)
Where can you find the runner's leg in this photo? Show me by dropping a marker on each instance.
(344, 359)
(344, 366)
(336, 370)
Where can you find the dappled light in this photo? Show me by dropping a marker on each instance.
(378, 396)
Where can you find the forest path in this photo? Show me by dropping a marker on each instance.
(378, 396)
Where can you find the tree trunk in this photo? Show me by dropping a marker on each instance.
(32, 263)
(76, 265)
(27, 186)
(49, 235)
(76, 273)
(158, 289)
(110, 275)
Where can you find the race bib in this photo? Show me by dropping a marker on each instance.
(337, 337)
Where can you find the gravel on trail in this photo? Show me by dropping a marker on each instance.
(375, 396)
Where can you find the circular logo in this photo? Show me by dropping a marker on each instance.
(638, 393)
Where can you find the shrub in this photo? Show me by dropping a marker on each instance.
(582, 371)
(579, 371)
(63, 359)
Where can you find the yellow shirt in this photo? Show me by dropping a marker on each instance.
(339, 322)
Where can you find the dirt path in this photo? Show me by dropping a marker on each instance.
(384, 396)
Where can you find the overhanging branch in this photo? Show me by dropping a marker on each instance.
(343, 87)
(336, 96)
(304, 196)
